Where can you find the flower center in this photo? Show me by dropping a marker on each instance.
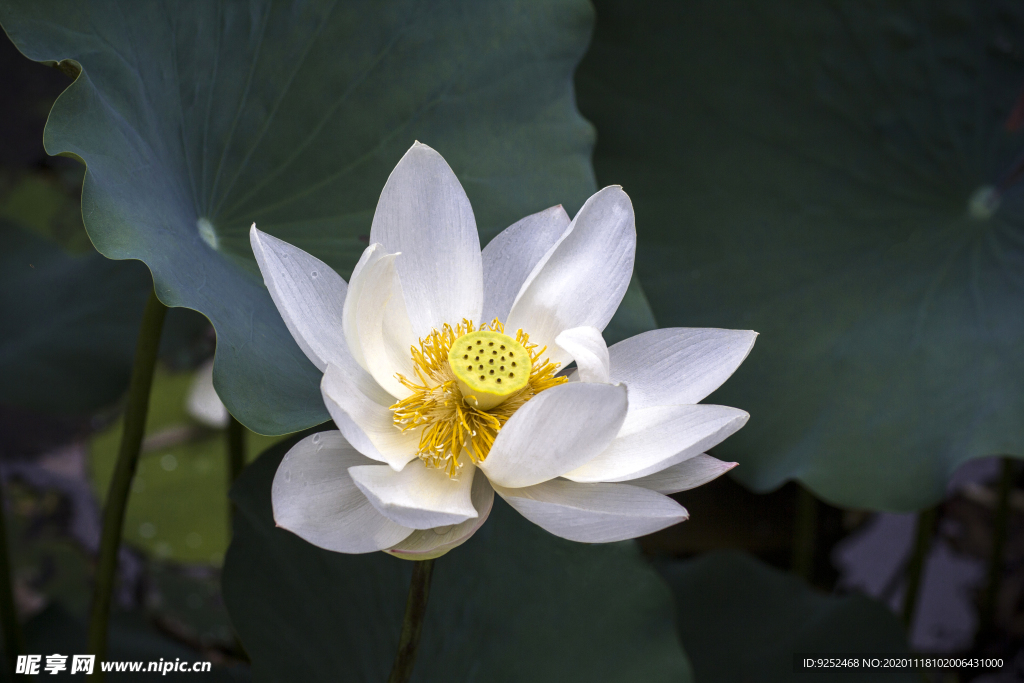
(488, 367)
(468, 384)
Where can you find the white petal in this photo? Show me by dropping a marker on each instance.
(652, 435)
(685, 475)
(314, 497)
(427, 544)
(657, 467)
(509, 258)
(383, 326)
(582, 279)
(418, 497)
(678, 365)
(594, 513)
(350, 317)
(586, 346)
(365, 421)
(554, 432)
(308, 294)
(203, 403)
(424, 213)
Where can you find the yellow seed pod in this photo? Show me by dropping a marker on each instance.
(489, 367)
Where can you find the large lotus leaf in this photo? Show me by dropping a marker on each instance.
(197, 119)
(742, 620)
(512, 604)
(807, 170)
(68, 324)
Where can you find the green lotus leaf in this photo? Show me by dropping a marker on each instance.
(513, 603)
(68, 321)
(197, 119)
(742, 620)
(842, 178)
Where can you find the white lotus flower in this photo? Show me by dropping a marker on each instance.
(440, 370)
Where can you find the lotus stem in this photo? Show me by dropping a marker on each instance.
(14, 640)
(120, 485)
(995, 559)
(236, 455)
(236, 462)
(412, 625)
(926, 521)
(804, 531)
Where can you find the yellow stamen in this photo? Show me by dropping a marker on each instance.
(451, 427)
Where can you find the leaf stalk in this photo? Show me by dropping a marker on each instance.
(124, 471)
